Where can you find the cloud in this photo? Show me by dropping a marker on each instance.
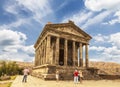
(96, 12)
(100, 38)
(39, 8)
(12, 45)
(114, 20)
(107, 53)
(115, 40)
(96, 19)
(98, 5)
(97, 48)
(29, 50)
(9, 37)
(106, 7)
(19, 22)
(36, 10)
(79, 18)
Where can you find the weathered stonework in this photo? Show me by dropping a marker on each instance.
(60, 46)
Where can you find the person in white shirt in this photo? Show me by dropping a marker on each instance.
(57, 76)
(25, 74)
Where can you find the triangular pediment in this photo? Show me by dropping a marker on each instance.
(71, 30)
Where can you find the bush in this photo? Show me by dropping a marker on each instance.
(5, 78)
(9, 68)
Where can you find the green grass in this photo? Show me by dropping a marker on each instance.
(6, 84)
(13, 77)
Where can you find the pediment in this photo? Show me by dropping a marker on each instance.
(71, 30)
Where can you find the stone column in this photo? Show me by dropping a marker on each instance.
(48, 49)
(81, 55)
(76, 55)
(57, 50)
(36, 58)
(73, 55)
(86, 56)
(39, 61)
(45, 51)
(65, 52)
(41, 54)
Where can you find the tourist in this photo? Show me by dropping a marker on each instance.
(80, 76)
(75, 76)
(57, 76)
(25, 74)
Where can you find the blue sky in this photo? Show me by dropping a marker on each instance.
(21, 22)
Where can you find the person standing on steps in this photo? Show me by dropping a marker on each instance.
(25, 74)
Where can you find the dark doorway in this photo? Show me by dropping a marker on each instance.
(61, 57)
(70, 60)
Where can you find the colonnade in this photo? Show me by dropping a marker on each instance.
(44, 52)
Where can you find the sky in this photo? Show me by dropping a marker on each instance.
(21, 22)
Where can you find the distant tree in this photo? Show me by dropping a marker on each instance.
(9, 68)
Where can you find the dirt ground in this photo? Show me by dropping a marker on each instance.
(35, 82)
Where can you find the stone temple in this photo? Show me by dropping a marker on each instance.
(62, 47)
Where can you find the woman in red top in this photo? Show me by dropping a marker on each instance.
(76, 76)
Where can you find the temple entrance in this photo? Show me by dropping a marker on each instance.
(61, 57)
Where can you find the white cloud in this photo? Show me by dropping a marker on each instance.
(12, 45)
(98, 5)
(96, 19)
(112, 39)
(109, 7)
(39, 8)
(19, 22)
(79, 18)
(28, 49)
(100, 38)
(115, 39)
(107, 53)
(114, 20)
(97, 48)
(98, 11)
(11, 8)
(11, 37)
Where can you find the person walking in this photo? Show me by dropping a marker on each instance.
(25, 74)
(76, 76)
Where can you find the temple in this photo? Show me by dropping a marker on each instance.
(61, 47)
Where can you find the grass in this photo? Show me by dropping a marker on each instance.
(6, 84)
(13, 77)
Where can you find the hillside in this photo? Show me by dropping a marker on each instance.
(107, 67)
(104, 67)
(25, 64)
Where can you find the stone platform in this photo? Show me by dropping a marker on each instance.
(47, 72)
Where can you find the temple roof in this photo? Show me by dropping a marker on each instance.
(71, 24)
